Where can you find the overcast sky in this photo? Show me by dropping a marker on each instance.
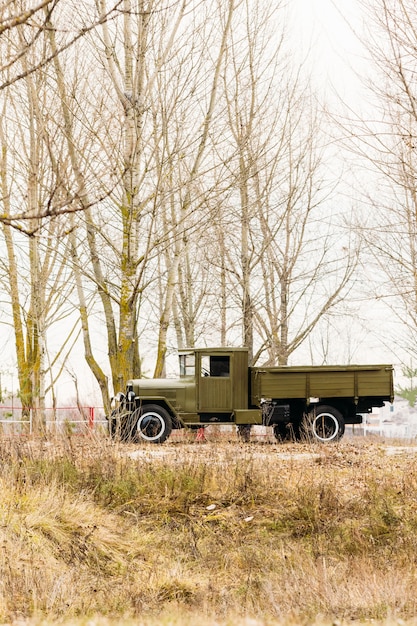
(324, 32)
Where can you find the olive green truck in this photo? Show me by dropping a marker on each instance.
(216, 386)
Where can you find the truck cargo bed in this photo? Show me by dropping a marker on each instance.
(327, 381)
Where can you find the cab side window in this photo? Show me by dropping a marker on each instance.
(218, 366)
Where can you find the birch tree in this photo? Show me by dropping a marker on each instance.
(190, 186)
(126, 235)
(34, 264)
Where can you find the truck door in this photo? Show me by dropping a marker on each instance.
(215, 383)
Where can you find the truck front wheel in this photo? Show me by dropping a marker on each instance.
(323, 424)
(119, 421)
(152, 423)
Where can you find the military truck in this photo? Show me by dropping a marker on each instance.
(216, 386)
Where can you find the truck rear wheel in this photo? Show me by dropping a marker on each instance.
(323, 424)
(151, 423)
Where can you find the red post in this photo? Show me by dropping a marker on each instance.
(201, 435)
(91, 417)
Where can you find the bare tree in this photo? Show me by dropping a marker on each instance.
(33, 19)
(286, 263)
(387, 144)
(35, 266)
(129, 231)
(186, 203)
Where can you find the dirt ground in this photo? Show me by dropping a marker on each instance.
(216, 446)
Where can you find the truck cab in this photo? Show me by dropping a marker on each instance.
(220, 379)
(212, 387)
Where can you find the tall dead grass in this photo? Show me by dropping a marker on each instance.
(228, 532)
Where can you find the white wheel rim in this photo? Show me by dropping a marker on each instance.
(316, 426)
(152, 418)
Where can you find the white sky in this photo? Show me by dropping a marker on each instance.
(324, 31)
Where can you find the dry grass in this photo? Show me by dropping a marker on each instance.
(214, 533)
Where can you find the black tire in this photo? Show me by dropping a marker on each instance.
(118, 429)
(151, 423)
(244, 432)
(111, 423)
(323, 424)
(112, 427)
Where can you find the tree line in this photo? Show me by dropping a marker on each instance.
(165, 181)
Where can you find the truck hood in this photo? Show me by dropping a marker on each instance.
(154, 384)
(173, 390)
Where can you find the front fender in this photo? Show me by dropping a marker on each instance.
(164, 403)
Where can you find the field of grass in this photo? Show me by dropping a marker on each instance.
(216, 533)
